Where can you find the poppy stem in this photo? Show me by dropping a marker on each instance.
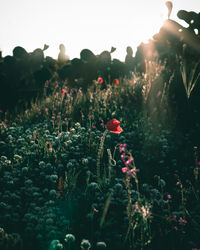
(100, 155)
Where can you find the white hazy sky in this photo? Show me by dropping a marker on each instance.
(79, 24)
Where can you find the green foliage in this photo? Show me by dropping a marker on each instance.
(52, 186)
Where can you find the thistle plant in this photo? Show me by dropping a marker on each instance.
(101, 245)
(85, 244)
(55, 245)
(69, 240)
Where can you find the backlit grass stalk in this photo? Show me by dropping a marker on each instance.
(190, 81)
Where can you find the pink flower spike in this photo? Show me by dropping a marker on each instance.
(129, 161)
(174, 217)
(124, 170)
(182, 221)
(123, 156)
(132, 171)
(122, 147)
(136, 206)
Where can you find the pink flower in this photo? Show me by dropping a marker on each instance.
(129, 161)
(169, 196)
(132, 171)
(182, 221)
(136, 206)
(124, 170)
(122, 147)
(123, 156)
(93, 126)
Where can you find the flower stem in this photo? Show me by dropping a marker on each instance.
(100, 154)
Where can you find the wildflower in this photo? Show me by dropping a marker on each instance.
(169, 196)
(100, 80)
(198, 163)
(182, 221)
(113, 126)
(95, 210)
(124, 170)
(93, 126)
(64, 91)
(128, 161)
(116, 81)
(136, 205)
(123, 156)
(174, 217)
(122, 148)
(132, 171)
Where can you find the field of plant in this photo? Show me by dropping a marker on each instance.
(114, 167)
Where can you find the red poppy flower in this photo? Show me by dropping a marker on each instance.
(64, 91)
(113, 126)
(116, 81)
(100, 80)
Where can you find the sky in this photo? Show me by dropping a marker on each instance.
(94, 24)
